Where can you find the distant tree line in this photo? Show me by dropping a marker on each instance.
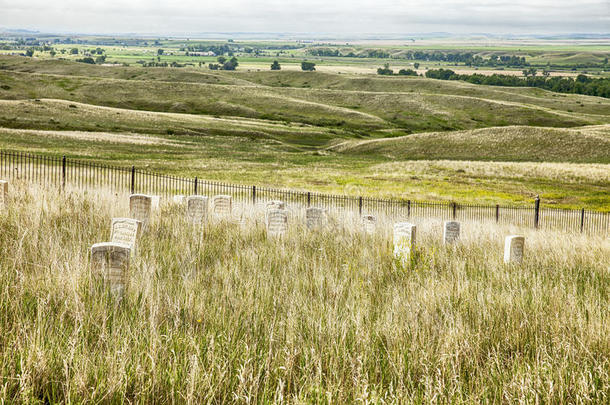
(581, 85)
(467, 58)
(385, 70)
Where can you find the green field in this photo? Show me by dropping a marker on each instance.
(341, 133)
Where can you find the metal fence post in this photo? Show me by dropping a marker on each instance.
(133, 179)
(497, 213)
(582, 220)
(196, 184)
(409, 208)
(454, 209)
(308, 199)
(360, 205)
(536, 211)
(63, 172)
(253, 195)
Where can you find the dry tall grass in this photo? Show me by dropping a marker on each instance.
(228, 315)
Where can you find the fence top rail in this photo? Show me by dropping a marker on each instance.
(321, 197)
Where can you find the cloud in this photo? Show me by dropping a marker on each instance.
(339, 16)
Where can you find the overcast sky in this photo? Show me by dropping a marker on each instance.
(311, 16)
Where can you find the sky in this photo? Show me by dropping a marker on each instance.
(312, 16)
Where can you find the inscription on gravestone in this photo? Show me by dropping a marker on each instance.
(514, 246)
(315, 217)
(404, 240)
(111, 262)
(125, 231)
(222, 204)
(277, 222)
(140, 206)
(196, 208)
(451, 232)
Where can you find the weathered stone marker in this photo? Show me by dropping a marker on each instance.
(179, 199)
(404, 240)
(222, 204)
(155, 202)
(451, 232)
(3, 192)
(111, 262)
(276, 204)
(513, 249)
(196, 209)
(140, 207)
(315, 217)
(125, 231)
(277, 222)
(369, 222)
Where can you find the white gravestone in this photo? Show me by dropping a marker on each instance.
(222, 205)
(155, 202)
(125, 231)
(179, 199)
(140, 207)
(513, 249)
(451, 232)
(369, 222)
(404, 240)
(276, 204)
(277, 222)
(315, 217)
(3, 192)
(196, 209)
(111, 262)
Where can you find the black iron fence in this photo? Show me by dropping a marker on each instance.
(61, 171)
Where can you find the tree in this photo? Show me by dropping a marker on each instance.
(385, 70)
(308, 66)
(221, 59)
(275, 65)
(214, 66)
(86, 60)
(52, 53)
(230, 64)
(29, 52)
(100, 59)
(407, 72)
(160, 51)
(416, 65)
(74, 51)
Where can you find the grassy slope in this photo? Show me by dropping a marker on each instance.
(514, 143)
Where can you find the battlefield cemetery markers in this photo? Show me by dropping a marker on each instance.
(315, 217)
(140, 206)
(451, 232)
(125, 231)
(513, 249)
(179, 199)
(3, 191)
(369, 222)
(277, 222)
(196, 208)
(111, 262)
(404, 240)
(222, 204)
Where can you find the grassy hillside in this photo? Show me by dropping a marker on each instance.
(312, 131)
(514, 143)
(230, 316)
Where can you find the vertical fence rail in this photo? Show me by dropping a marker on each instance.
(59, 172)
